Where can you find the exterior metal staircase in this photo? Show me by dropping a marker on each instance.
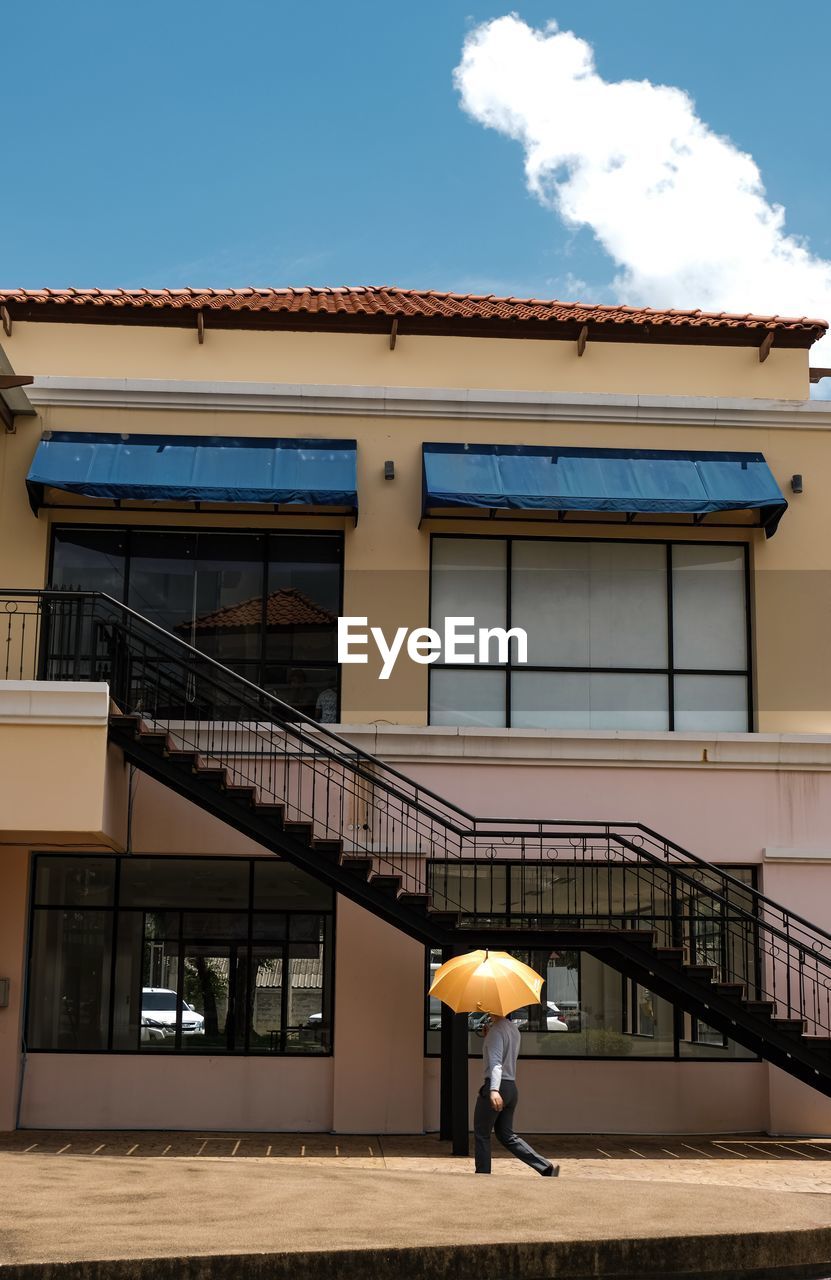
(686, 930)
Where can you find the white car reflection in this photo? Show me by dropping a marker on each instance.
(159, 1007)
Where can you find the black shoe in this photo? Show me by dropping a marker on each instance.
(553, 1171)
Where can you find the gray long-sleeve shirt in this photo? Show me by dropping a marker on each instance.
(499, 1052)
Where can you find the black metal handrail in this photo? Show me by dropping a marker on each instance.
(344, 793)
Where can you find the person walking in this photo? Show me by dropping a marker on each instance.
(497, 1100)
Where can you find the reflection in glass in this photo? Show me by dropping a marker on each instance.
(81, 881)
(199, 882)
(468, 580)
(708, 593)
(90, 560)
(69, 989)
(475, 698)
(588, 700)
(244, 599)
(207, 1015)
(590, 604)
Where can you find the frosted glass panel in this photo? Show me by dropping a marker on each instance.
(583, 700)
(467, 698)
(708, 589)
(711, 703)
(469, 580)
(591, 604)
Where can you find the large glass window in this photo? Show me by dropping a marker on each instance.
(264, 604)
(621, 635)
(589, 1009)
(190, 955)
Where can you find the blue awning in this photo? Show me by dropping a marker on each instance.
(218, 469)
(496, 477)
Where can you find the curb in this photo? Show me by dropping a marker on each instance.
(774, 1255)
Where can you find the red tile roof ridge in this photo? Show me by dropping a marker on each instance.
(392, 301)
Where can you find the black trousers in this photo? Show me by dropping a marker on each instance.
(487, 1121)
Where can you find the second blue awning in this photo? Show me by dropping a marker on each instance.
(216, 469)
(494, 477)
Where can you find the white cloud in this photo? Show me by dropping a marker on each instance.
(681, 210)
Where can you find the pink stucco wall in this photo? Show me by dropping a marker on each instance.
(128, 1091)
(378, 1080)
(14, 864)
(722, 814)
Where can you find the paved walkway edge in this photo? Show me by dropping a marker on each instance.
(776, 1255)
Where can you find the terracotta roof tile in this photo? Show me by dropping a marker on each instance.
(388, 301)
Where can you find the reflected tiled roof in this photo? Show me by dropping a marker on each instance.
(382, 302)
(287, 607)
(306, 972)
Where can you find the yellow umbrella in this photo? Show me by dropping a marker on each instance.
(490, 981)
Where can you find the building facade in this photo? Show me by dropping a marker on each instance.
(199, 485)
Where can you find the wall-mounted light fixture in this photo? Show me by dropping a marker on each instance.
(796, 483)
(4, 993)
(389, 470)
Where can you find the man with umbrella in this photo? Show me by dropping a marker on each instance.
(498, 984)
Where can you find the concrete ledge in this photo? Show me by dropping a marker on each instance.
(763, 1255)
(439, 745)
(427, 402)
(58, 702)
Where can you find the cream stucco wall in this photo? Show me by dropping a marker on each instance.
(138, 351)
(59, 783)
(387, 555)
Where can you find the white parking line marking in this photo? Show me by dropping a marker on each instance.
(770, 1154)
(724, 1147)
(100, 1147)
(697, 1149)
(31, 1148)
(637, 1153)
(236, 1146)
(674, 1154)
(134, 1147)
(167, 1148)
(604, 1153)
(66, 1148)
(202, 1148)
(787, 1146)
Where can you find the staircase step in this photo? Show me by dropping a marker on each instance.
(419, 902)
(760, 1008)
(126, 724)
(155, 740)
(390, 885)
(444, 919)
(361, 867)
(265, 809)
(794, 1026)
(185, 759)
(300, 830)
(703, 972)
(239, 791)
(731, 990)
(670, 955)
(216, 777)
(822, 1044)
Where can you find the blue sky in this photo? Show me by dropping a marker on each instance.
(263, 142)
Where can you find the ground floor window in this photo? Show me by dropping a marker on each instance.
(588, 1008)
(178, 955)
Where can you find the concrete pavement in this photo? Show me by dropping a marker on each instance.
(203, 1206)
